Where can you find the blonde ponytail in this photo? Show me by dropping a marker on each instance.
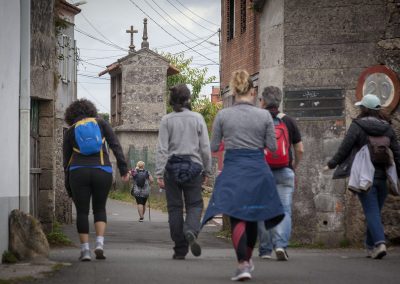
(240, 83)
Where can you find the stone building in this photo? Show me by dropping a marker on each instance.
(317, 51)
(138, 99)
(33, 100)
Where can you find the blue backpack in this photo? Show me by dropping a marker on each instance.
(88, 138)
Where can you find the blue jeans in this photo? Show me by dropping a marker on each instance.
(372, 203)
(278, 237)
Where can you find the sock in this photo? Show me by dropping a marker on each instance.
(100, 239)
(84, 246)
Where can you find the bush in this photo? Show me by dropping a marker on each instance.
(57, 238)
(8, 257)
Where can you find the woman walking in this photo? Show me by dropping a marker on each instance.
(245, 190)
(142, 180)
(183, 164)
(371, 122)
(88, 171)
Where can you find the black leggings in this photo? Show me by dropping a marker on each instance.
(244, 237)
(89, 183)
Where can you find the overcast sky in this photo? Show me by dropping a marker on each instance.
(108, 21)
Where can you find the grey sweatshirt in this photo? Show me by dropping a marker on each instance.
(183, 133)
(243, 126)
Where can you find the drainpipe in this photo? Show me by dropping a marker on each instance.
(24, 107)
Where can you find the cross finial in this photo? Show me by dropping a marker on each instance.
(132, 46)
(145, 43)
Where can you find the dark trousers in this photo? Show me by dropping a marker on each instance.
(87, 183)
(244, 237)
(188, 194)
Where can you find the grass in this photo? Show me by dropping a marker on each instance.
(57, 238)
(309, 246)
(9, 258)
(17, 280)
(157, 201)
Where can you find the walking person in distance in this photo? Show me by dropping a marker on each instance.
(142, 181)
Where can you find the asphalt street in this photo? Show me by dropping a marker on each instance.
(142, 253)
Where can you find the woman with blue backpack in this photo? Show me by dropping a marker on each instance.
(142, 180)
(88, 171)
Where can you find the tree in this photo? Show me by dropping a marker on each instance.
(105, 116)
(208, 110)
(196, 77)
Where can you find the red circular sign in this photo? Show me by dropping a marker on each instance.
(382, 82)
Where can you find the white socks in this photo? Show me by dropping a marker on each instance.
(100, 239)
(84, 246)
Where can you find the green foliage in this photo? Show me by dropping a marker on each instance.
(57, 238)
(157, 201)
(121, 195)
(105, 116)
(208, 110)
(8, 257)
(196, 77)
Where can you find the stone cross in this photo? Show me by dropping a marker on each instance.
(132, 46)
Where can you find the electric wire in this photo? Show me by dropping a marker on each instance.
(196, 14)
(93, 97)
(133, 3)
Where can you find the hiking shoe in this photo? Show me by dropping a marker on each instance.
(194, 246)
(379, 251)
(266, 256)
(242, 274)
(99, 251)
(281, 254)
(85, 255)
(178, 257)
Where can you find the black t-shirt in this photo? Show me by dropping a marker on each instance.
(294, 134)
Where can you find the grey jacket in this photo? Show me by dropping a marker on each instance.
(243, 126)
(183, 133)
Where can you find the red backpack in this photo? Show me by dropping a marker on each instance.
(281, 157)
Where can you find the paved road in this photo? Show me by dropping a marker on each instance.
(141, 253)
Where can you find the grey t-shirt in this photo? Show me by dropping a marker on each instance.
(243, 126)
(183, 133)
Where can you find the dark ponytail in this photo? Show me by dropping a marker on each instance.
(179, 97)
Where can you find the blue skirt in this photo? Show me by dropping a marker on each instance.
(246, 189)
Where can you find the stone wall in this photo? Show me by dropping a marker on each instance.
(43, 87)
(388, 53)
(144, 89)
(327, 44)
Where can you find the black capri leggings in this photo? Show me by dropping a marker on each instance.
(89, 183)
(244, 237)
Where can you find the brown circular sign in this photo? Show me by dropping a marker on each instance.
(382, 82)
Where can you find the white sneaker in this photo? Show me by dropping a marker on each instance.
(266, 256)
(379, 251)
(242, 274)
(85, 255)
(99, 251)
(281, 254)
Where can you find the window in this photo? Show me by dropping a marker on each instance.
(64, 58)
(242, 16)
(230, 19)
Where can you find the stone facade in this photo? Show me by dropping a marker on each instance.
(138, 102)
(319, 45)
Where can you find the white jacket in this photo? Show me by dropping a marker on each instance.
(362, 173)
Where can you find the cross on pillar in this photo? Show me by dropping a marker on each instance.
(132, 46)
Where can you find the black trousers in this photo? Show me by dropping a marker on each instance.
(186, 195)
(86, 184)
